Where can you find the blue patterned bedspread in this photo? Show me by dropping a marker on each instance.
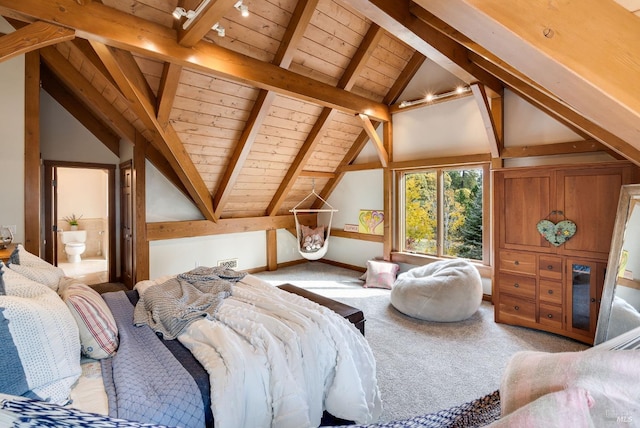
(145, 382)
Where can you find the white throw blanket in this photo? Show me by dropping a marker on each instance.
(278, 360)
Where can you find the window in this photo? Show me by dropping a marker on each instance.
(442, 212)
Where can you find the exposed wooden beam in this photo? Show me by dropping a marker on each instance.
(84, 91)
(297, 25)
(32, 37)
(87, 51)
(209, 12)
(126, 72)
(316, 174)
(347, 80)
(587, 146)
(32, 218)
(122, 30)
(387, 192)
(557, 47)
(530, 90)
(167, 91)
(490, 118)
(441, 161)
(186, 229)
(81, 112)
(375, 139)
(395, 17)
(412, 67)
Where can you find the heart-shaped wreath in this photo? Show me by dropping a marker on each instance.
(557, 233)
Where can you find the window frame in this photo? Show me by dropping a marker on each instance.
(440, 169)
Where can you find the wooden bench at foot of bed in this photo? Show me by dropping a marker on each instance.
(353, 315)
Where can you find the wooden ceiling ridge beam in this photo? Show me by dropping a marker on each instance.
(491, 112)
(347, 81)
(395, 16)
(32, 37)
(126, 72)
(409, 71)
(298, 23)
(209, 13)
(58, 90)
(122, 30)
(594, 72)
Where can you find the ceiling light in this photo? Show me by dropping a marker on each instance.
(244, 10)
(219, 28)
(179, 12)
(434, 97)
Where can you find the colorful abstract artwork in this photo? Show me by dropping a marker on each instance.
(371, 221)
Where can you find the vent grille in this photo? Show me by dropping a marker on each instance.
(228, 264)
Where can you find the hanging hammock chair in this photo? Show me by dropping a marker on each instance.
(313, 243)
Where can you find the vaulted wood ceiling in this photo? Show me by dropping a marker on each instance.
(247, 123)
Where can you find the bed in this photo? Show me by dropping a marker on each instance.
(262, 357)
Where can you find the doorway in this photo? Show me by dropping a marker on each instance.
(79, 229)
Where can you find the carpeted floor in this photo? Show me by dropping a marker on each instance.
(424, 367)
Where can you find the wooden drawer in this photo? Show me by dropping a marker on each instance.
(550, 292)
(520, 286)
(551, 315)
(512, 261)
(513, 309)
(550, 267)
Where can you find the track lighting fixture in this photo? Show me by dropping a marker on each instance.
(219, 29)
(434, 97)
(242, 8)
(179, 12)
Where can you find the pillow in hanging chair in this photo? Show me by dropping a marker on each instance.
(312, 239)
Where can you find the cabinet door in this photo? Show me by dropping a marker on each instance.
(589, 197)
(584, 289)
(522, 200)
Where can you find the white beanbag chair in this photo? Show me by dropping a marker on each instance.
(444, 291)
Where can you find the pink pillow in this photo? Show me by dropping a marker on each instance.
(312, 239)
(381, 274)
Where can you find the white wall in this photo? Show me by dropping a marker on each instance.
(12, 141)
(83, 192)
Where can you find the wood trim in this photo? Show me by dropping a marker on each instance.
(356, 235)
(359, 167)
(122, 30)
(185, 229)
(141, 266)
(387, 192)
(32, 37)
(375, 139)
(586, 146)
(441, 162)
(58, 91)
(32, 170)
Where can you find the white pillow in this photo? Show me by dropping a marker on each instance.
(40, 355)
(98, 331)
(49, 275)
(20, 256)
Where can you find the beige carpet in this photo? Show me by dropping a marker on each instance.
(422, 366)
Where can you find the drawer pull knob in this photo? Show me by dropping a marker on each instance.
(550, 267)
(593, 300)
(549, 316)
(517, 308)
(516, 285)
(517, 263)
(550, 291)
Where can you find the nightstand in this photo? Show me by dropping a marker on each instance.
(6, 252)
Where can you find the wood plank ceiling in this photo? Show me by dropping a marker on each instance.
(248, 123)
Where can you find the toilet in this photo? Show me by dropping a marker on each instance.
(74, 244)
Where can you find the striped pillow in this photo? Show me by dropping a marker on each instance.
(98, 331)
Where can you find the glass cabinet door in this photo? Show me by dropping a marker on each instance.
(584, 291)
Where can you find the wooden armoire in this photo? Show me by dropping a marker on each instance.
(556, 288)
